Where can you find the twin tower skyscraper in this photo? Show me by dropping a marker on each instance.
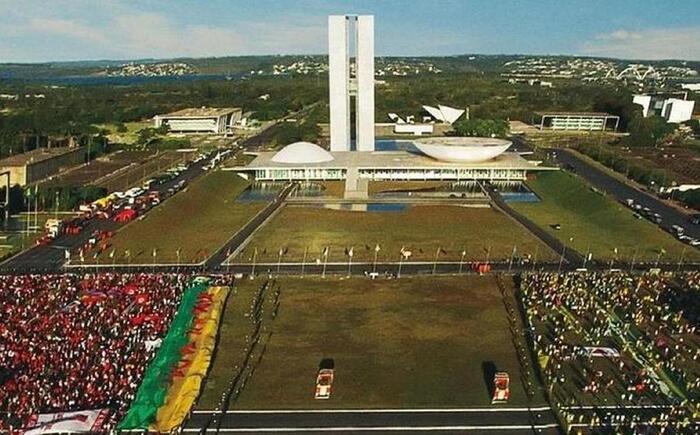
(344, 86)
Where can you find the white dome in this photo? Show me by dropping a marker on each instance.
(462, 149)
(302, 152)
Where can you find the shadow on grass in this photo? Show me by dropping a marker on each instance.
(489, 370)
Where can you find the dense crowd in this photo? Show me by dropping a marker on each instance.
(70, 342)
(615, 340)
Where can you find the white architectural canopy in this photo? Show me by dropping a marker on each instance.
(462, 149)
(444, 113)
(302, 152)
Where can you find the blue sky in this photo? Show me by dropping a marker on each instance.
(42, 30)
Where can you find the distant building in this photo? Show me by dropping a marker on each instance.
(41, 163)
(579, 121)
(445, 114)
(677, 110)
(342, 85)
(672, 109)
(695, 87)
(201, 120)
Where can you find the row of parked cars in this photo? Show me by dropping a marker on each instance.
(680, 234)
(677, 230)
(646, 212)
(124, 206)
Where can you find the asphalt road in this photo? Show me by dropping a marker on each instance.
(244, 233)
(50, 258)
(622, 192)
(498, 419)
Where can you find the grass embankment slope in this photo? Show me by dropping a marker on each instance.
(197, 221)
(420, 229)
(596, 222)
(413, 342)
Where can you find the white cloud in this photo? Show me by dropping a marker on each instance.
(135, 34)
(653, 44)
(66, 28)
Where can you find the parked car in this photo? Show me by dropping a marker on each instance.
(501, 388)
(324, 383)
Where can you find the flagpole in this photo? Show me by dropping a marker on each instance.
(325, 261)
(612, 260)
(303, 261)
(436, 259)
(279, 261)
(534, 260)
(398, 275)
(350, 262)
(510, 262)
(658, 258)
(252, 270)
(680, 260)
(374, 265)
(561, 258)
(461, 261)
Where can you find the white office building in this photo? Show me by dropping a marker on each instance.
(200, 120)
(671, 109)
(343, 87)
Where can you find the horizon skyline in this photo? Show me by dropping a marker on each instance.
(81, 31)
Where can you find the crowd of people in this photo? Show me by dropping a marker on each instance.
(614, 341)
(73, 342)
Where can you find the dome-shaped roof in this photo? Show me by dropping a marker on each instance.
(462, 149)
(302, 152)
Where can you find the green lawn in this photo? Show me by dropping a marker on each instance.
(197, 221)
(130, 136)
(596, 223)
(420, 229)
(413, 342)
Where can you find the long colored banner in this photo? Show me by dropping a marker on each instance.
(154, 387)
(193, 368)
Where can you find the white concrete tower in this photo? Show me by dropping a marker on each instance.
(364, 67)
(341, 86)
(339, 82)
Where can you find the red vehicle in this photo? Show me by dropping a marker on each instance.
(125, 215)
(501, 391)
(44, 240)
(324, 383)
